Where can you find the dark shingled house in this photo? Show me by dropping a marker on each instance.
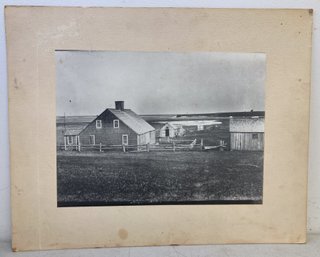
(117, 126)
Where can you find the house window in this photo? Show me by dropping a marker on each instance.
(116, 123)
(69, 140)
(98, 124)
(92, 140)
(255, 136)
(125, 139)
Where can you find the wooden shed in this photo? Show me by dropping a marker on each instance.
(247, 134)
(71, 137)
(170, 130)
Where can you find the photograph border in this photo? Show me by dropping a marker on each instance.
(33, 33)
(157, 100)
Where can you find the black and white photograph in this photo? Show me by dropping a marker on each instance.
(150, 128)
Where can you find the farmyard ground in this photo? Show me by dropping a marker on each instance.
(117, 178)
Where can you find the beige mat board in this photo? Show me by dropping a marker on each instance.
(34, 33)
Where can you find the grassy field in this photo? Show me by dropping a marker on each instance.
(113, 178)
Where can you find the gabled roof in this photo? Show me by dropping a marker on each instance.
(173, 126)
(132, 120)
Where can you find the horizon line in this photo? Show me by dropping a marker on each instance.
(176, 114)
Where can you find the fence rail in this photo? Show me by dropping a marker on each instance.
(175, 145)
(101, 147)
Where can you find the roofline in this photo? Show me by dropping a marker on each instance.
(92, 121)
(168, 123)
(118, 118)
(127, 124)
(246, 131)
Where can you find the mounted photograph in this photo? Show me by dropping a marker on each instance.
(150, 128)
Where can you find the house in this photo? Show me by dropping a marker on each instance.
(116, 126)
(247, 133)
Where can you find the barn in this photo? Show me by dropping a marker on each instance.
(116, 126)
(247, 134)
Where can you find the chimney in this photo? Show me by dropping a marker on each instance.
(119, 105)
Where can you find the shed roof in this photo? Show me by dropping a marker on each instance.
(254, 125)
(73, 132)
(132, 120)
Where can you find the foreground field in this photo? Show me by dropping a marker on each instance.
(159, 177)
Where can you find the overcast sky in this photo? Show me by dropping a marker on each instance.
(159, 82)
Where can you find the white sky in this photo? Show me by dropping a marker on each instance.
(159, 82)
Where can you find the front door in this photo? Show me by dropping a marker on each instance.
(167, 132)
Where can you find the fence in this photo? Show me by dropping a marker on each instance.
(102, 148)
(174, 145)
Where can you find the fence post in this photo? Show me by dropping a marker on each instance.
(221, 146)
(65, 143)
(124, 148)
(79, 147)
(100, 147)
(174, 146)
(201, 144)
(148, 147)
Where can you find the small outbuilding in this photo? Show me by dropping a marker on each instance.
(170, 130)
(71, 137)
(247, 134)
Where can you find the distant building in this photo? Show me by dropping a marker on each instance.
(170, 130)
(117, 126)
(247, 133)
